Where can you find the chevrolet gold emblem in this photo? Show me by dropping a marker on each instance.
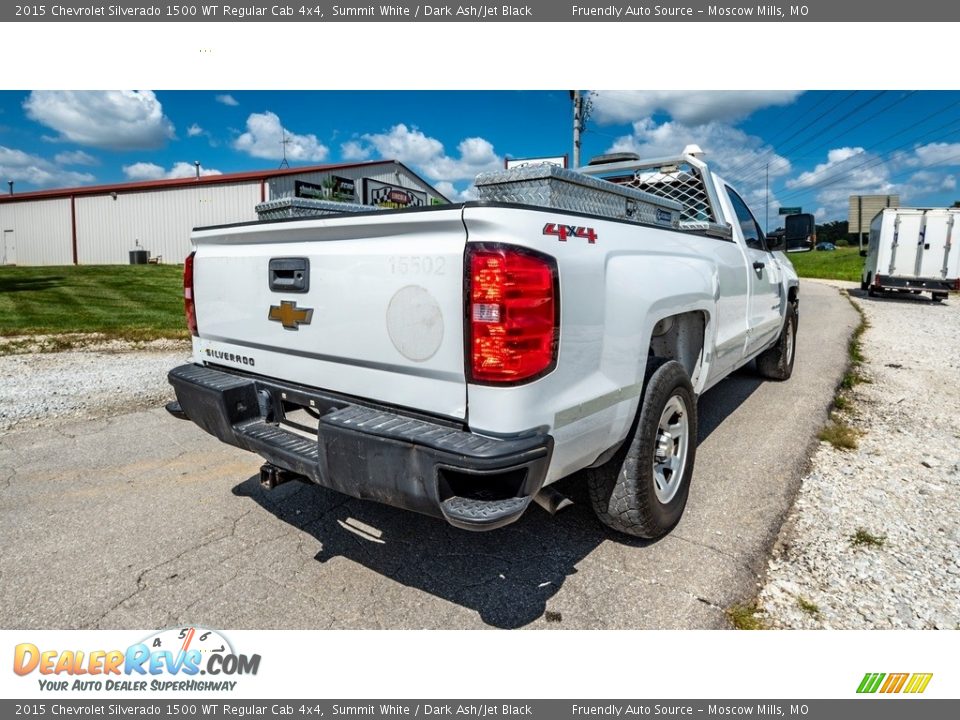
(289, 315)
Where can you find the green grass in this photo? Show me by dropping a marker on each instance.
(745, 617)
(844, 263)
(809, 607)
(865, 537)
(840, 435)
(132, 302)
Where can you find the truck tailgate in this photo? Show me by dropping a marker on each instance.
(379, 314)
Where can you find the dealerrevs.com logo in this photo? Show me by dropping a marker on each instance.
(172, 659)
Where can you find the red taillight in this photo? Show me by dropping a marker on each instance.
(512, 314)
(188, 306)
(876, 280)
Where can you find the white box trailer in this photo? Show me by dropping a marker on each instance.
(913, 249)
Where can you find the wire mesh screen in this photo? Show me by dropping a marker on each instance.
(680, 182)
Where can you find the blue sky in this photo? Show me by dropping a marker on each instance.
(817, 148)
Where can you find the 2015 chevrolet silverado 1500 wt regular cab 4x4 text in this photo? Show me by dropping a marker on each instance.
(456, 360)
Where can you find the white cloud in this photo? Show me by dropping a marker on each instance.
(847, 171)
(408, 145)
(692, 107)
(152, 171)
(227, 99)
(412, 147)
(194, 130)
(143, 171)
(729, 150)
(841, 161)
(75, 157)
(264, 136)
(353, 151)
(932, 155)
(114, 120)
(448, 190)
(25, 167)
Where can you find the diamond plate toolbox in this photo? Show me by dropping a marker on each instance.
(562, 189)
(289, 207)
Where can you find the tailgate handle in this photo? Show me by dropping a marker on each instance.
(290, 275)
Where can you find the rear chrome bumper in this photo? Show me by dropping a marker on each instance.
(474, 482)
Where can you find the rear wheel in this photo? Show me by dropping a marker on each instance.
(643, 489)
(938, 297)
(776, 363)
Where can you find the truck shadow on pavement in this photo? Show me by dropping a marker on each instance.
(506, 576)
(719, 402)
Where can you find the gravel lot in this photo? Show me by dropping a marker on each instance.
(901, 486)
(90, 383)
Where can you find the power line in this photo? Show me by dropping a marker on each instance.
(871, 161)
(752, 165)
(796, 147)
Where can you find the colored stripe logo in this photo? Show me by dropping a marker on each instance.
(913, 683)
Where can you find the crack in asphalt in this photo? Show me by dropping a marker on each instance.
(720, 551)
(8, 480)
(141, 586)
(141, 582)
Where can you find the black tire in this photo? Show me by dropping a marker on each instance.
(626, 492)
(939, 297)
(776, 362)
(863, 285)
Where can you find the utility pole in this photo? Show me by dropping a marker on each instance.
(766, 187)
(577, 125)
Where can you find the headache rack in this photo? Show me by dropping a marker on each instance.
(681, 179)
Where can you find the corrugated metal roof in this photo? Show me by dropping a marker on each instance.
(224, 179)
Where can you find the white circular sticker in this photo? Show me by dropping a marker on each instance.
(415, 323)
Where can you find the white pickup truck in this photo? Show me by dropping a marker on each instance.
(457, 360)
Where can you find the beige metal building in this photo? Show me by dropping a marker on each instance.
(100, 225)
(864, 208)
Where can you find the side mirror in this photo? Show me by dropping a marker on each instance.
(863, 253)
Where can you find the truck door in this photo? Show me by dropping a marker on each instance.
(932, 248)
(907, 245)
(764, 308)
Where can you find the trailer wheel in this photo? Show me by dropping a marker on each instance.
(776, 362)
(642, 490)
(939, 297)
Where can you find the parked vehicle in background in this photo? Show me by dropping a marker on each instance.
(800, 232)
(826, 246)
(913, 249)
(457, 360)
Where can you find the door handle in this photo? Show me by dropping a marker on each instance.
(290, 275)
(759, 265)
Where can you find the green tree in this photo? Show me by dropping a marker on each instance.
(836, 232)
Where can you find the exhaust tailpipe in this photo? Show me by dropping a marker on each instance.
(552, 500)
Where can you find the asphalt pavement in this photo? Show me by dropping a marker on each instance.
(144, 521)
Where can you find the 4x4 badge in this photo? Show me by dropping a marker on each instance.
(289, 315)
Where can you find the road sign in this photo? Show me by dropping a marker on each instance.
(789, 211)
